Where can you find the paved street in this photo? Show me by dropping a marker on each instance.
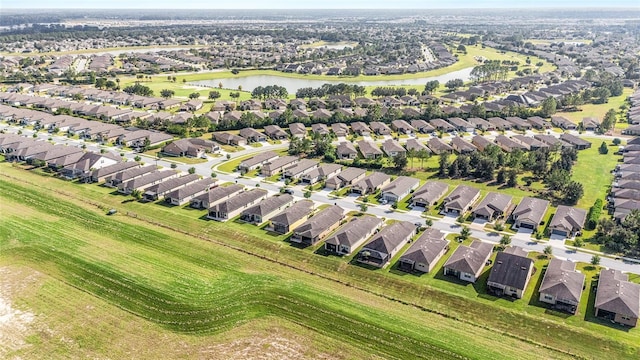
(446, 224)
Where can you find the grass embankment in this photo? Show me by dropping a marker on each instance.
(164, 275)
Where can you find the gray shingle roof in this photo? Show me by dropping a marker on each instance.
(616, 294)
(427, 248)
(390, 237)
(320, 222)
(295, 212)
(569, 218)
(562, 280)
(238, 201)
(492, 203)
(510, 269)
(269, 205)
(354, 231)
(430, 192)
(470, 259)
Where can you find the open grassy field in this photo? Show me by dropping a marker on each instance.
(598, 110)
(112, 286)
(593, 171)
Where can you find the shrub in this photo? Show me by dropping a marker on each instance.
(174, 165)
(616, 141)
(594, 215)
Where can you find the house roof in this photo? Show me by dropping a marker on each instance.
(391, 145)
(281, 161)
(172, 184)
(372, 181)
(510, 269)
(492, 203)
(320, 222)
(259, 159)
(297, 129)
(616, 294)
(531, 209)
(220, 192)
(431, 191)
(354, 231)
(147, 179)
(191, 189)
(350, 173)
(461, 197)
(401, 185)
(301, 166)
(438, 146)
(269, 205)
(368, 148)
(427, 248)
(568, 218)
(133, 172)
(462, 145)
(112, 169)
(238, 201)
(562, 280)
(470, 259)
(574, 140)
(414, 144)
(346, 148)
(293, 213)
(390, 237)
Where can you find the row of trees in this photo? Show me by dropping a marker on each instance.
(620, 237)
(270, 92)
(490, 70)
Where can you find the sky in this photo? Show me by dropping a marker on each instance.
(305, 4)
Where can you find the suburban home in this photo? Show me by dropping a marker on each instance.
(371, 183)
(467, 262)
(578, 143)
(252, 135)
(510, 273)
(340, 129)
(416, 146)
(323, 172)
(529, 142)
(143, 182)
(425, 252)
(552, 141)
(563, 123)
(590, 124)
(562, 285)
(461, 124)
(518, 123)
(508, 144)
(422, 126)
(157, 191)
(257, 161)
(318, 226)
(229, 139)
(298, 130)
(184, 194)
(380, 128)
(529, 213)
(291, 217)
(360, 128)
(103, 173)
(460, 199)
(462, 146)
(399, 188)
(216, 195)
(191, 105)
(369, 149)
(393, 148)
(481, 124)
(493, 206)
(538, 123)
(402, 126)
(438, 146)
(441, 125)
(232, 207)
(300, 168)
(346, 150)
(275, 132)
(127, 175)
(617, 299)
(631, 130)
(276, 166)
(429, 193)
(386, 243)
(350, 236)
(183, 147)
(320, 129)
(346, 177)
(264, 210)
(84, 164)
(567, 221)
(481, 142)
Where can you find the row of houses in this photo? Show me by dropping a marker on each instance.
(625, 189)
(633, 115)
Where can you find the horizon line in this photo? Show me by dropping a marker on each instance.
(342, 9)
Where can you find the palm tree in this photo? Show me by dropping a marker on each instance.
(423, 154)
(411, 153)
(465, 233)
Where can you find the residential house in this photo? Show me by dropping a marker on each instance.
(257, 161)
(429, 193)
(563, 123)
(320, 129)
(508, 144)
(552, 141)
(83, 166)
(481, 142)
(393, 148)
(183, 147)
(425, 252)
(481, 124)
(438, 146)
(441, 125)
(529, 213)
(229, 139)
(184, 194)
(578, 143)
(232, 207)
(562, 285)
(191, 105)
(380, 128)
(461, 124)
(402, 126)
(539, 123)
(567, 221)
(510, 273)
(266, 209)
(143, 182)
(386, 243)
(590, 124)
(617, 299)
(399, 188)
(130, 174)
(278, 165)
(462, 146)
(346, 177)
(292, 217)
(493, 206)
(322, 172)
(530, 143)
(275, 132)
(100, 174)
(467, 262)
(416, 146)
(499, 123)
(371, 183)
(422, 126)
(346, 151)
(252, 135)
(298, 130)
(215, 196)
(159, 190)
(302, 167)
(350, 236)
(518, 123)
(460, 200)
(369, 149)
(340, 129)
(318, 226)
(360, 128)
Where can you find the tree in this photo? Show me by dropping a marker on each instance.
(137, 194)
(166, 93)
(174, 165)
(505, 240)
(431, 86)
(595, 260)
(307, 194)
(548, 250)
(501, 177)
(603, 149)
(616, 141)
(194, 95)
(512, 180)
(399, 162)
(192, 170)
(454, 84)
(462, 48)
(137, 158)
(608, 121)
(465, 232)
(428, 222)
(549, 106)
(573, 192)
(364, 207)
(213, 175)
(498, 226)
(214, 95)
(443, 163)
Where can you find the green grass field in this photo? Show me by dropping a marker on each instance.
(593, 171)
(155, 272)
(597, 110)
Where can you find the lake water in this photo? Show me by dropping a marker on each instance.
(292, 85)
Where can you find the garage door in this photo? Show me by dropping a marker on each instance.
(526, 226)
(559, 232)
